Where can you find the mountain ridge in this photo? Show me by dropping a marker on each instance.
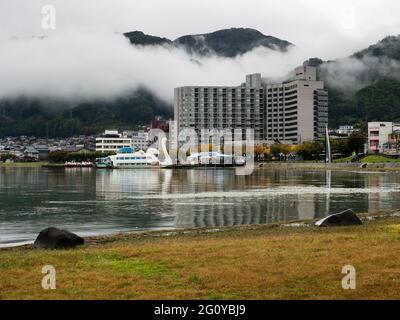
(225, 42)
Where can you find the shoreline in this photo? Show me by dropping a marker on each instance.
(23, 164)
(182, 232)
(104, 239)
(389, 166)
(277, 261)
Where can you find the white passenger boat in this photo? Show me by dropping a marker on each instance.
(215, 158)
(127, 158)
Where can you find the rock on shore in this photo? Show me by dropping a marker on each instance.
(54, 238)
(340, 218)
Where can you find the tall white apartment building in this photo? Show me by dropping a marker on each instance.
(233, 108)
(112, 141)
(297, 109)
(292, 111)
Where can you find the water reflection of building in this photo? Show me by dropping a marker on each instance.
(244, 211)
(379, 199)
(91, 201)
(115, 184)
(200, 198)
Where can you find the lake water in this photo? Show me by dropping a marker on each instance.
(95, 202)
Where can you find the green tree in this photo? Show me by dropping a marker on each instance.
(8, 156)
(356, 142)
(276, 150)
(285, 149)
(58, 156)
(310, 150)
(340, 146)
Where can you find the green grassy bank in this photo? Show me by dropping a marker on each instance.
(23, 164)
(262, 262)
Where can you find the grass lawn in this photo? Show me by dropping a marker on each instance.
(344, 160)
(263, 262)
(378, 159)
(22, 164)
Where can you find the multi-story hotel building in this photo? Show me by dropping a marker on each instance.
(292, 111)
(297, 109)
(222, 108)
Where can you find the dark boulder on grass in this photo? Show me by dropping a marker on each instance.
(341, 218)
(53, 238)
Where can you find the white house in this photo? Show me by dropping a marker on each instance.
(111, 141)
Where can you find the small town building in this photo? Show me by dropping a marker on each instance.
(31, 152)
(141, 140)
(379, 135)
(43, 150)
(111, 141)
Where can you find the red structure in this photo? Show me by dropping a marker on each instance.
(159, 123)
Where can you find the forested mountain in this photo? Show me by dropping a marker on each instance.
(377, 102)
(389, 47)
(139, 38)
(230, 42)
(41, 117)
(365, 86)
(224, 43)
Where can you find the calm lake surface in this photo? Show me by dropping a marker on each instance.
(94, 202)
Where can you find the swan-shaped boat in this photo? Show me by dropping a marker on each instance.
(128, 158)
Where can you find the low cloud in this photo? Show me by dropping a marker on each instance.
(79, 66)
(92, 66)
(351, 74)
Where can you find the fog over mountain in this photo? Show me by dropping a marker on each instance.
(380, 60)
(79, 67)
(110, 75)
(86, 66)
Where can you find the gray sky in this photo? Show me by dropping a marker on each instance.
(86, 56)
(329, 29)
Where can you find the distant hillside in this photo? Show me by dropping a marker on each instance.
(389, 47)
(139, 38)
(377, 102)
(28, 116)
(364, 86)
(230, 42)
(224, 43)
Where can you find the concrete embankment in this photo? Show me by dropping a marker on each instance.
(333, 166)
